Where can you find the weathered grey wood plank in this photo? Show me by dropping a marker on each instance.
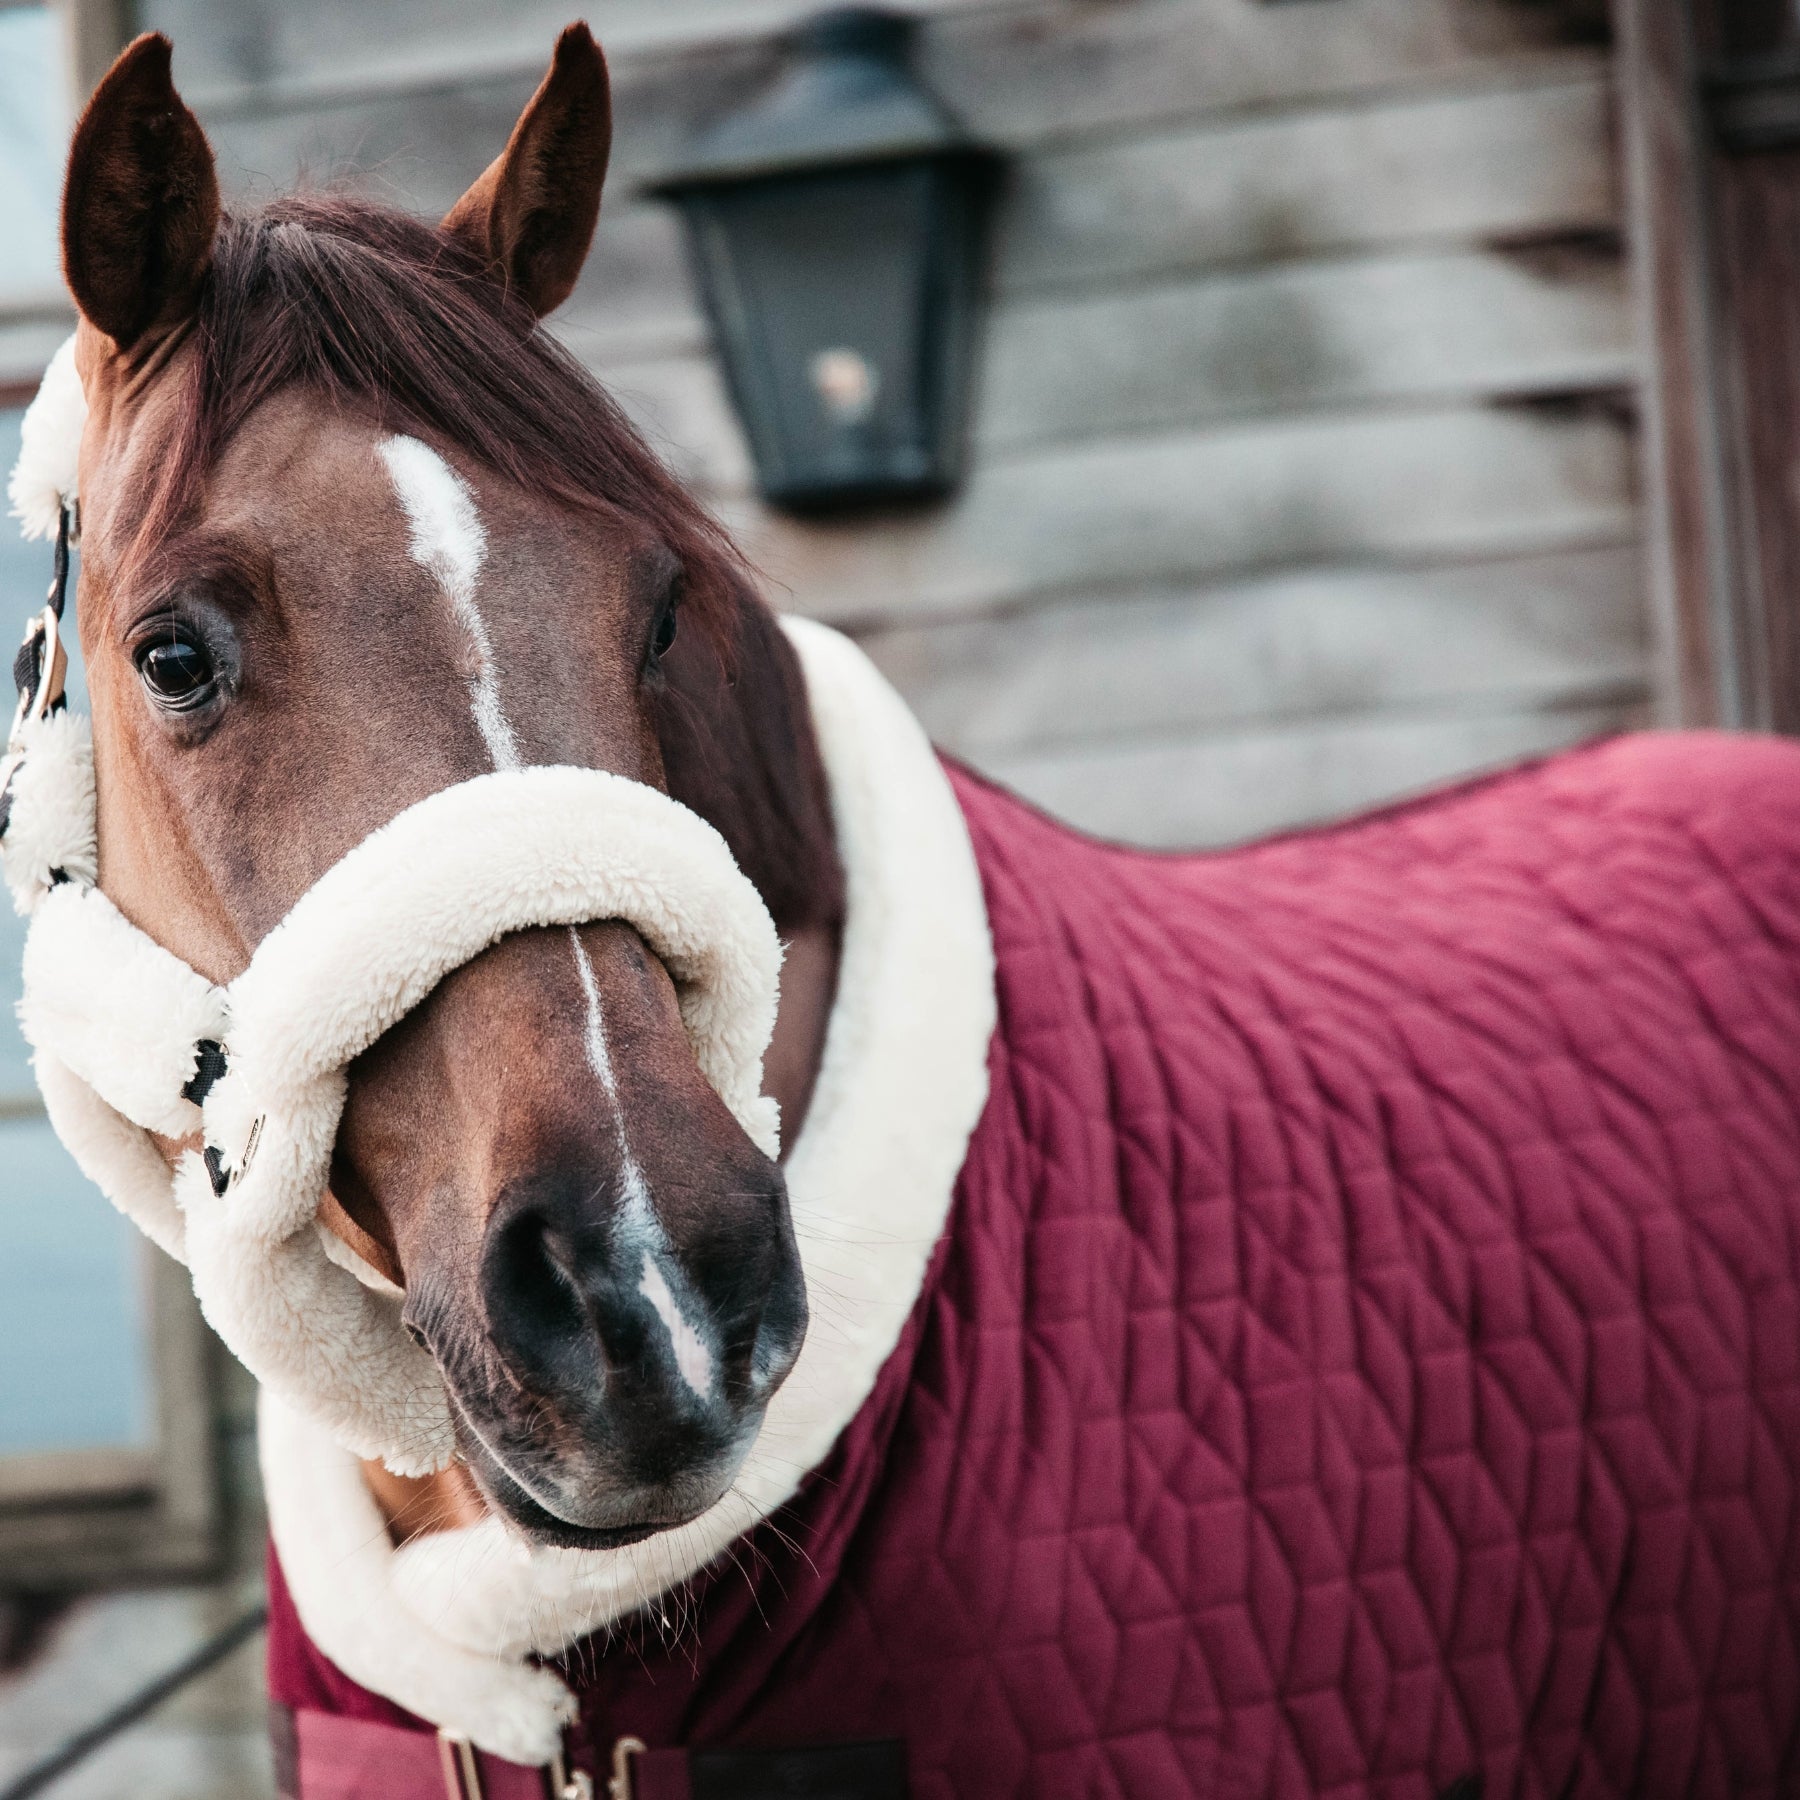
(1019, 73)
(1513, 162)
(1241, 784)
(636, 296)
(53, 1476)
(1527, 631)
(1036, 73)
(1509, 165)
(1466, 482)
(1427, 326)
(1334, 333)
(679, 404)
(1503, 162)
(294, 52)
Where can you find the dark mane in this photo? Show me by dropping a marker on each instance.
(377, 310)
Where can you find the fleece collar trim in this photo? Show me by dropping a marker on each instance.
(447, 1625)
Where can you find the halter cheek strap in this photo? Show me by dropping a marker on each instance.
(40, 672)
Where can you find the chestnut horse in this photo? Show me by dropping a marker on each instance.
(1335, 1312)
(275, 672)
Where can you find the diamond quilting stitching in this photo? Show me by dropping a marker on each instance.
(1366, 1352)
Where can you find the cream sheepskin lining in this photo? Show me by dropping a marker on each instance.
(51, 829)
(109, 1008)
(45, 476)
(444, 1626)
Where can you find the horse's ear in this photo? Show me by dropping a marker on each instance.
(141, 205)
(530, 216)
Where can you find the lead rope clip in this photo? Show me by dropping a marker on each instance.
(43, 651)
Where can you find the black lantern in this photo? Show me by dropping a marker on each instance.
(836, 228)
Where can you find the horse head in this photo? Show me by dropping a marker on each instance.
(355, 529)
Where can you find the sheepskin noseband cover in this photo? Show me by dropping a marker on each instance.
(129, 1040)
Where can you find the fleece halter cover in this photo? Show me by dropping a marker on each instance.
(132, 1045)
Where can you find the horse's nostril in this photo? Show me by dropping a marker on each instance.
(781, 1330)
(559, 1308)
(534, 1302)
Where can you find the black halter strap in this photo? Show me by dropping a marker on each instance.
(28, 665)
(41, 666)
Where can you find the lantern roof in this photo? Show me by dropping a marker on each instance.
(848, 97)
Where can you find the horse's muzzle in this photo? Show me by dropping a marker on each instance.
(629, 1374)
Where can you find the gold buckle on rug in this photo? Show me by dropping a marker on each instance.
(462, 1775)
(619, 1788)
(567, 1783)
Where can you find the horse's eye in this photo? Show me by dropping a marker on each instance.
(665, 634)
(178, 671)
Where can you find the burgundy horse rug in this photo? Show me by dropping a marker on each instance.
(1360, 1354)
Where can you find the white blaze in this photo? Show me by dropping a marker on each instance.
(637, 1193)
(692, 1357)
(448, 540)
(638, 1224)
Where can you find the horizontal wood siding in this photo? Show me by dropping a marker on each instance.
(1023, 72)
(1483, 164)
(1324, 333)
(1222, 789)
(1297, 647)
(1382, 486)
(1304, 452)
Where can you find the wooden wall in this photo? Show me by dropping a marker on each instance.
(1304, 464)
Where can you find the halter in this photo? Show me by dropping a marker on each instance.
(248, 1079)
(41, 667)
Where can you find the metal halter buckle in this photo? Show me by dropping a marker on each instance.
(35, 702)
(43, 647)
(53, 673)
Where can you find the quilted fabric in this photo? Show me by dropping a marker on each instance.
(1366, 1351)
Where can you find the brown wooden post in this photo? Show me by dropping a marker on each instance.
(95, 31)
(1711, 94)
(1688, 543)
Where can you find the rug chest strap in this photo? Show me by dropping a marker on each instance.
(333, 1758)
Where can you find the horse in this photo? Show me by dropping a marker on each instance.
(1317, 1318)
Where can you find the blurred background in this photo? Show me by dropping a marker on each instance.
(1362, 393)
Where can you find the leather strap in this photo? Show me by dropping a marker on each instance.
(352, 1759)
